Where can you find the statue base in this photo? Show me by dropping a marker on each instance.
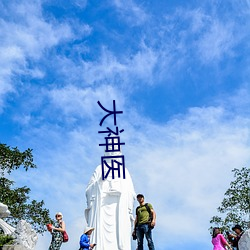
(12, 247)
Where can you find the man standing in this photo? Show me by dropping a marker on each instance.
(144, 223)
(239, 231)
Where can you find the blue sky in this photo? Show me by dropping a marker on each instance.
(179, 70)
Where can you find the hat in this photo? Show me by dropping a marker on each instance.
(59, 213)
(140, 195)
(237, 227)
(87, 229)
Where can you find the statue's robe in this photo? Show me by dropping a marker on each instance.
(110, 210)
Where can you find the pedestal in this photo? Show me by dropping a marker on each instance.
(13, 247)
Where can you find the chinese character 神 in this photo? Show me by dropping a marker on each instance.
(112, 144)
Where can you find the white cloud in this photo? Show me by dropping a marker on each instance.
(25, 35)
(121, 71)
(105, 69)
(240, 101)
(10, 57)
(143, 63)
(32, 33)
(131, 12)
(80, 3)
(82, 102)
(217, 42)
(198, 20)
(198, 33)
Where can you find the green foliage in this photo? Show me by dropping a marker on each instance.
(6, 240)
(17, 199)
(235, 206)
(11, 159)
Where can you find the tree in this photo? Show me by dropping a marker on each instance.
(11, 159)
(17, 199)
(235, 206)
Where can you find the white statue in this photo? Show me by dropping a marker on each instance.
(110, 209)
(25, 235)
(4, 212)
(244, 242)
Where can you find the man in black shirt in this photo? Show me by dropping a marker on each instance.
(239, 231)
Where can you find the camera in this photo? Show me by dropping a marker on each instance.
(134, 235)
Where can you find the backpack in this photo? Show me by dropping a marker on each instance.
(149, 212)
